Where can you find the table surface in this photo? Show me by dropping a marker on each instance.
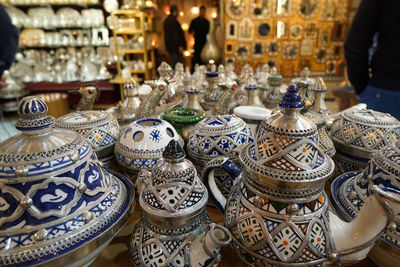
(117, 253)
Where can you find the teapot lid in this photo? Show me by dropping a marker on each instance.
(55, 196)
(164, 70)
(174, 189)
(362, 132)
(286, 154)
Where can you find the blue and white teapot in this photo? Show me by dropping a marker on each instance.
(278, 213)
(57, 204)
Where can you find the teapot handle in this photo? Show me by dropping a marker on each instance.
(209, 179)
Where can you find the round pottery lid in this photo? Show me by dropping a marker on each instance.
(174, 189)
(361, 132)
(252, 112)
(143, 141)
(183, 115)
(218, 135)
(99, 128)
(55, 197)
(286, 154)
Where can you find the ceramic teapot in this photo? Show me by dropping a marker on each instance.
(278, 213)
(58, 205)
(175, 229)
(351, 190)
(357, 134)
(217, 135)
(100, 129)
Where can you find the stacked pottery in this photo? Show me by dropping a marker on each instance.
(58, 205)
(217, 135)
(358, 134)
(351, 190)
(100, 129)
(175, 229)
(278, 213)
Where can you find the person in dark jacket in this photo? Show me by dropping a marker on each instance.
(174, 37)
(199, 27)
(8, 45)
(376, 80)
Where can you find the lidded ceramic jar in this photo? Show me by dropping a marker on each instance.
(251, 88)
(58, 205)
(100, 129)
(142, 143)
(215, 136)
(273, 95)
(277, 211)
(175, 229)
(358, 134)
(351, 190)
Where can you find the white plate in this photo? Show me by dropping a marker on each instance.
(252, 112)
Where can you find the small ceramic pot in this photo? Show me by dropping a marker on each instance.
(142, 143)
(59, 206)
(182, 119)
(216, 136)
(358, 133)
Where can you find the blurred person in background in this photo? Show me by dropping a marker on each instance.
(8, 44)
(375, 75)
(175, 41)
(199, 28)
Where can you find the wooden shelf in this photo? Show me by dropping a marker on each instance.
(133, 51)
(127, 31)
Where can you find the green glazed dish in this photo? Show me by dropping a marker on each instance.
(182, 118)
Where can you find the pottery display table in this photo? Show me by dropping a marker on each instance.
(117, 252)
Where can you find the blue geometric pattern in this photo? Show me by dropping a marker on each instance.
(155, 135)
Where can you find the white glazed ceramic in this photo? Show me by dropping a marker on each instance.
(142, 143)
(252, 115)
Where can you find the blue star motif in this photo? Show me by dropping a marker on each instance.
(155, 135)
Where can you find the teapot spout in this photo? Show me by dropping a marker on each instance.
(355, 239)
(207, 248)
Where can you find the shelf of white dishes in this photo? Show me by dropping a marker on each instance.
(52, 2)
(60, 46)
(133, 51)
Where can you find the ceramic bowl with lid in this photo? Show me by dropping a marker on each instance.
(222, 135)
(358, 134)
(100, 129)
(58, 205)
(351, 190)
(142, 143)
